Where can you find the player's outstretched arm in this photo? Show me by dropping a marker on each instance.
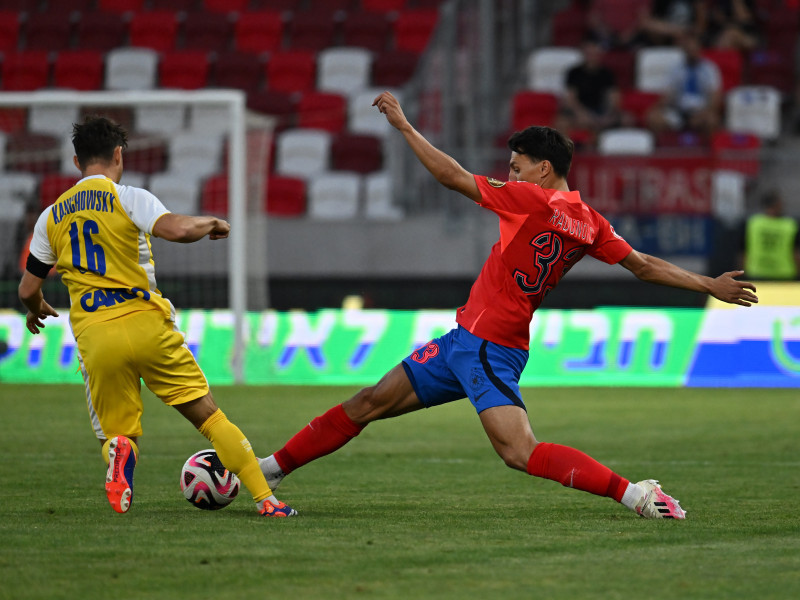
(186, 229)
(30, 293)
(725, 287)
(444, 167)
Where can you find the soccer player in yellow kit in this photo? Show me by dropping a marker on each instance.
(98, 236)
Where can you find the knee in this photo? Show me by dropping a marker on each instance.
(515, 457)
(366, 406)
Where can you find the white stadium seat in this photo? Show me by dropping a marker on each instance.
(52, 119)
(302, 153)
(179, 193)
(548, 67)
(363, 118)
(626, 141)
(131, 69)
(195, 154)
(159, 118)
(343, 70)
(655, 67)
(754, 109)
(334, 196)
(378, 202)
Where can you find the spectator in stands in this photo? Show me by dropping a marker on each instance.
(693, 100)
(592, 99)
(770, 242)
(733, 24)
(668, 21)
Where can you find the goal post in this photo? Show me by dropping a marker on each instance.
(202, 141)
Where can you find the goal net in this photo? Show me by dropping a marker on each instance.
(199, 152)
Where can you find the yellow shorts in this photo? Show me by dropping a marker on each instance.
(116, 355)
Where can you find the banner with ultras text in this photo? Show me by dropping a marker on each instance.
(719, 347)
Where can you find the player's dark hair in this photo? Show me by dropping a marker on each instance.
(544, 143)
(96, 138)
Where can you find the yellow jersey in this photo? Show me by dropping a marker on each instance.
(98, 235)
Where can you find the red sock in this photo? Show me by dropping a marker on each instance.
(322, 436)
(572, 468)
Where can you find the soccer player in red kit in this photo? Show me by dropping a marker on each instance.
(544, 230)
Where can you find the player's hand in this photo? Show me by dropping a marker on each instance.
(390, 106)
(35, 322)
(729, 290)
(221, 230)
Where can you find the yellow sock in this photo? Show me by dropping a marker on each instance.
(235, 453)
(107, 443)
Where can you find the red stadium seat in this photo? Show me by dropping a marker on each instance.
(730, 64)
(771, 68)
(623, 64)
(32, 152)
(393, 68)
(48, 32)
(332, 5)
(178, 5)
(20, 6)
(318, 110)
(277, 104)
(258, 32)
(293, 71)
(9, 31)
(145, 153)
(618, 15)
(25, 71)
(207, 31)
(157, 30)
(312, 30)
(282, 5)
(13, 119)
(184, 69)
(367, 30)
(78, 70)
(413, 29)
(637, 103)
(121, 6)
(533, 108)
(285, 197)
(383, 6)
(214, 197)
(101, 31)
(225, 6)
(359, 153)
(68, 10)
(569, 26)
(52, 186)
(238, 70)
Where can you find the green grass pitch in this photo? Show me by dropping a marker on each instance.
(416, 507)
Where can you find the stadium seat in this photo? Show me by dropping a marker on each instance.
(52, 185)
(202, 30)
(378, 202)
(157, 30)
(393, 69)
(179, 5)
(413, 29)
(276, 104)
(358, 153)
(101, 31)
(20, 6)
(225, 6)
(211, 119)
(214, 195)
(239, 70)
(258, 32)
(772, 68)
(9, 31)
(285, 197)
(618, 16)
(363, 118)
(179, 193)
(302, 152)
(754, 109)
(737, 152)
(730, 65)
(533, 108)
(48, 32)
(164, 119)
(568, 26)
(13, 119)
(68, 10)
(32, 152)
(146, 153)
(121, 6)
(655, 66)
(18, 188)
(52, 119)
(343, 70)
(623, 64)
(195, 154)
(637, 103)
(184, 69)
(312, 30)
(119, 114)
(134, 179)
(547, 68)
(372, 31)
(333, 6)
(383, 6)
(728, 195)
(25, 71)
(292, 71)
(131, 69)
(321, 110)
(281, 5)
(334, 196)
(78, 70)
(626, 141)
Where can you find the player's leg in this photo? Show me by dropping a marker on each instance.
(114, 403)
(171, 372)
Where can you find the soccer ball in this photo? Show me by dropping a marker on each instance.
(206, 483)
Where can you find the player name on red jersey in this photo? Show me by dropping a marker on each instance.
(580, 230)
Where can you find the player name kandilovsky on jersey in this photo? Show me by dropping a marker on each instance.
(96, 200)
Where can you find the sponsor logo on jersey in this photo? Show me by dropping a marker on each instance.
(91, 301)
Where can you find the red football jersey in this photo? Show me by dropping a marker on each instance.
(542, 234)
